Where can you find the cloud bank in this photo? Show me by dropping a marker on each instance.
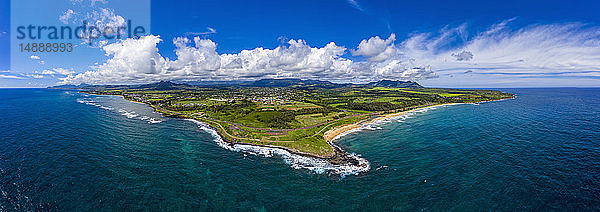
(533, 51)
(538, 50)
(139, 61)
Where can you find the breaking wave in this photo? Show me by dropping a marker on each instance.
(134, 115)
(376, 125)
(93, 103)
(317, 165)
(154, 121)
(128, 114)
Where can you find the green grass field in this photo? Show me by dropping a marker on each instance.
(293, 117)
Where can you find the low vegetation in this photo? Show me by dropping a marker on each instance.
(292, 116)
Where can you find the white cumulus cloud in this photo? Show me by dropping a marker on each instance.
(551, 50)
(376, 49)
(138, 61)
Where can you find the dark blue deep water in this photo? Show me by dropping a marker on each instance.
(62, 150)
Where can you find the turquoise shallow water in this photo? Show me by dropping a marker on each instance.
(61, 150)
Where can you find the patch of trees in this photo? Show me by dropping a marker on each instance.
(411, 103)
(276, 119)
(372, 106)
(323, 110)
(229, 108)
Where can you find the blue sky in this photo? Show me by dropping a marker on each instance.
(437, 43)
(248, 24)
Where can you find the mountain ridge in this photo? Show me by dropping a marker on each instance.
(291, 82)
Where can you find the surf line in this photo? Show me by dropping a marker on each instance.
(296, 161)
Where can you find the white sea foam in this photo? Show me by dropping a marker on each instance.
(134, 115)
(381, 167)
(349, 132)
(130, 115)
(154, 121)
(316, 165)
(376, 125)
(93, 103)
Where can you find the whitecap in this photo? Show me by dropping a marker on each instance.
(154, 121)
(88, 102)
(381, 167)
(375, 125)
(106, 108)
(130, 115)
(316, 165)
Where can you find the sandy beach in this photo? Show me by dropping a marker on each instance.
(331, 134)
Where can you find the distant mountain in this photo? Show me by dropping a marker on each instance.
(70, 86)
(167, 85)
(217, 83)
(163, 86)
(395, 84)
(314, 83)
(292, 83)
(268, 83)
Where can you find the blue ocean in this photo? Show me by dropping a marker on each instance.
(61, 150)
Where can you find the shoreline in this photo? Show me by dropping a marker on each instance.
(339, 152)
(340, 156)
(333, 134)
